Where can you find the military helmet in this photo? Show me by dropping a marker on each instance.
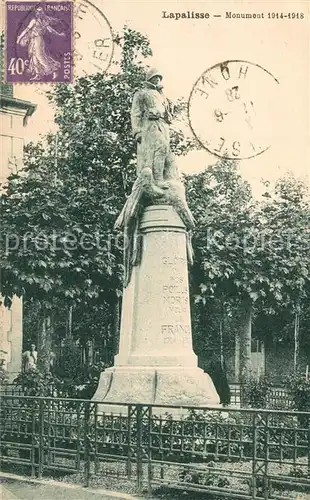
(153, 72)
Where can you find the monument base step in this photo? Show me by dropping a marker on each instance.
(176, 386)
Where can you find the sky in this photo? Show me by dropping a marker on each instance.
(183, 49)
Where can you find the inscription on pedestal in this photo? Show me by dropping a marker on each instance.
(176, 334)
(175, 297)
(175, 292)
(175, 300)
(173, 261)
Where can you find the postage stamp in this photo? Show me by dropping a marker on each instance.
(231, 109)
(39, 42)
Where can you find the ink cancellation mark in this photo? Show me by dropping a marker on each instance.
(232, 109)
(39, 42)
(93, 39)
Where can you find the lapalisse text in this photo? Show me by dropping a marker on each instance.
(185, 15)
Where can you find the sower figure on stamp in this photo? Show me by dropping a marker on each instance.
(158, 181)
(41, 63)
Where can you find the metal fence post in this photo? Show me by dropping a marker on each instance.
(266, 483)
(254, 465)
(86, 443)
(35, 437)
(96, 461)
(41, 436)
(149, 452)
(129, 441)
(139, 446)
(308, 445)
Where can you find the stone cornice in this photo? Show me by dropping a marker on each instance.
(14, 103)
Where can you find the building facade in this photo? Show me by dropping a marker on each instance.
(13, 118)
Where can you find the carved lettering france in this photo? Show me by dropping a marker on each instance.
(176, 334)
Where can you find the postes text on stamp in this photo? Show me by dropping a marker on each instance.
(232, 107)
(39, 42)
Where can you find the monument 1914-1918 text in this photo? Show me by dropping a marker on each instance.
(156, 363)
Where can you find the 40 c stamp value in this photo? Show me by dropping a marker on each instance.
(39, 42)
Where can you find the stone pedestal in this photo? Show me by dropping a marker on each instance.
(156, 363)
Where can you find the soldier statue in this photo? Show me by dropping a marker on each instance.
(158, 181)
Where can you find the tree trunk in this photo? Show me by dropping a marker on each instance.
(237, 357)
(221, 343)
(69, 329)
(45, 344)
(116, 325)
(245, 329)
(296, 338)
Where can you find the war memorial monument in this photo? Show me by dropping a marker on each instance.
(156, 363)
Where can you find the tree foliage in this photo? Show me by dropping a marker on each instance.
(284, 217)
(250, 255)
(246, 248)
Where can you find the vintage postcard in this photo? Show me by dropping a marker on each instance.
(154, 246)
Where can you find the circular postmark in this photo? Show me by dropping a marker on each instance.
(93, 39)
(232, 108)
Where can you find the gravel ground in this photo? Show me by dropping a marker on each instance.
(113, 476)
(20, 490)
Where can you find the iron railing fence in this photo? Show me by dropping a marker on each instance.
(11, 390)
(279, 397)
(235, 453)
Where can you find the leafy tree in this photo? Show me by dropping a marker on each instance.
(284, 254)
(222, 205)
(285, 216)
(251, 257)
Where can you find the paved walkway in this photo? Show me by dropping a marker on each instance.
(14, 488)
